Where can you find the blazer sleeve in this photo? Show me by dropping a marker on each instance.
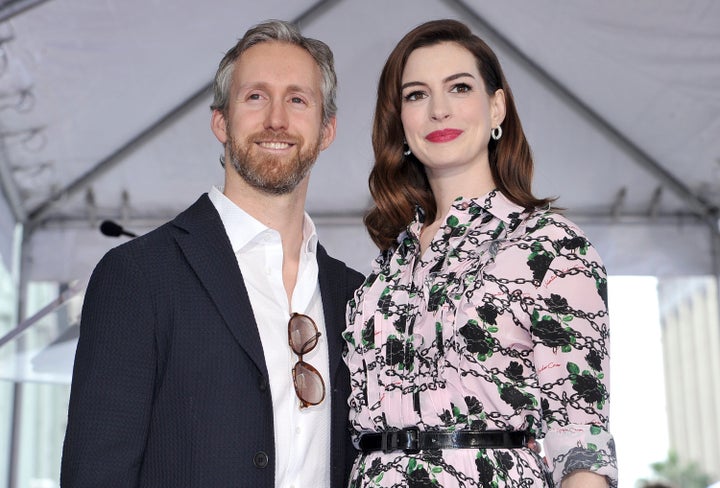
(113, 378)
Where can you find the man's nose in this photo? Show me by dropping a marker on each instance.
(277, 116)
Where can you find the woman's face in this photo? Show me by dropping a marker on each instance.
(446, 113)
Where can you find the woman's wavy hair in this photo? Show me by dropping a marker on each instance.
(398, 183)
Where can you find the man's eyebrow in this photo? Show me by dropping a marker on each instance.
(302, 89)
(253, 84)
(262, 85)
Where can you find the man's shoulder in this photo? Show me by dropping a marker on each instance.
(325, 261)
(162, 239)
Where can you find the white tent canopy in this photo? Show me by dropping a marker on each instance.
(104, 115)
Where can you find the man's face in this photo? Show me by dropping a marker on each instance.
(273, 128)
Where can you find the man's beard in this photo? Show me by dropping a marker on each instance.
(275, 175)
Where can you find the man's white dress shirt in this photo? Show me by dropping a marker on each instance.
(302, 437)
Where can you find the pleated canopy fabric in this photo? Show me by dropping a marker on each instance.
(104, 115)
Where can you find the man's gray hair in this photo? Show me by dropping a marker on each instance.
(278, 31)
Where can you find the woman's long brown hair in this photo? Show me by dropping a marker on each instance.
(398, 183)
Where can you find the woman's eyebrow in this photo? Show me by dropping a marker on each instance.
(446, 80)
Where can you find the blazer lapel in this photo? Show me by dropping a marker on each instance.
(333, 287)
(207, 249)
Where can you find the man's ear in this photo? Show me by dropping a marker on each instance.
(328, 136)
(219, 126)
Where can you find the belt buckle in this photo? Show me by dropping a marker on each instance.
(412, 440)
(388, 441)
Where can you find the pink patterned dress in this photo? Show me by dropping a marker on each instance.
(501, 324)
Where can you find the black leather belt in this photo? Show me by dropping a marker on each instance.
(412, 440)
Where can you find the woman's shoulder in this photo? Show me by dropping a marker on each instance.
(548, 222)
(554, 232)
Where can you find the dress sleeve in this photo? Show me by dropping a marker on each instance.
(569, 326)
(113, 379)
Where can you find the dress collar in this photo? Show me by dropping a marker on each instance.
(494, 202)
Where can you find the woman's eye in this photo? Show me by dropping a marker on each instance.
(461, 88)
(412, 96)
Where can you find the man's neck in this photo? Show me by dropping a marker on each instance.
(283, 213)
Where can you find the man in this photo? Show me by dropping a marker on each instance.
(183, 374)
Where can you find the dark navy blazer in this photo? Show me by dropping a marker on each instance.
(170, 386)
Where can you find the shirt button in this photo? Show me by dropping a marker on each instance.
(297, 430)
(260, 460)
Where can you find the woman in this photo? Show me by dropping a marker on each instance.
(484, 322)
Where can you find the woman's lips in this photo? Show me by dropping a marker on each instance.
(444, 135)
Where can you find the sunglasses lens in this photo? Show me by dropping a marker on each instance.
(303, 337)
(309, 384)
(303, 334)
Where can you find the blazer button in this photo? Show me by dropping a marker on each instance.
(262, 384)
(260, 460)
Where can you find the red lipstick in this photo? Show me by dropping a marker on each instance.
(444, 135)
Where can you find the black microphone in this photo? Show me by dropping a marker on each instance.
(111, 229)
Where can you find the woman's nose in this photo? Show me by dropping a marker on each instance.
(439, 109)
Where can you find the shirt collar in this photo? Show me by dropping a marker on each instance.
(310, 239)
(242, 228)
